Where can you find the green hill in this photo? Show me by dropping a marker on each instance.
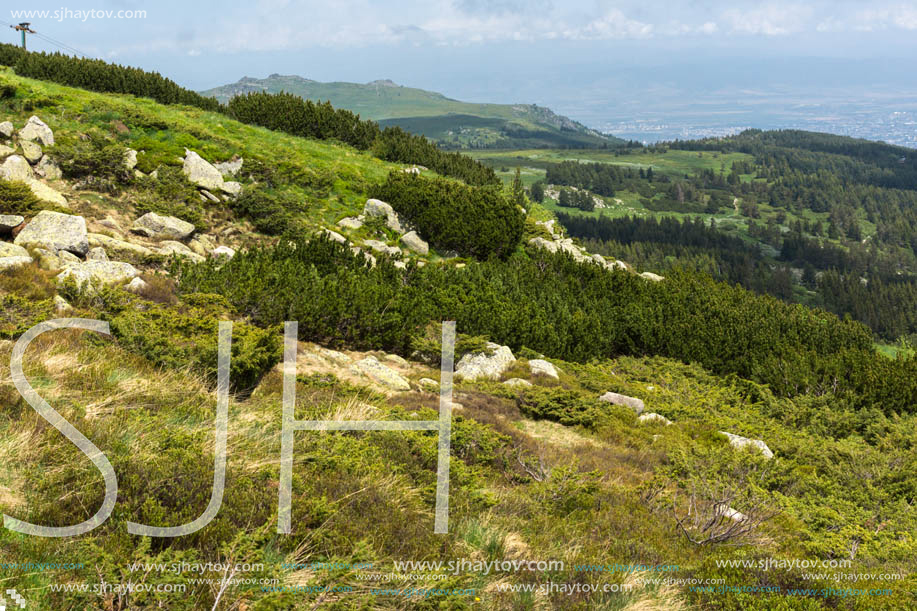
(449, 122)
(632, 500)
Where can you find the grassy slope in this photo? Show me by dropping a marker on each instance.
(368, 497)
(420, 111)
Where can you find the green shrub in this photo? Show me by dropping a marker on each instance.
(97, 163)
(17, 198)
(170, 194)
(472, 221)
(186, 335)
(560, 405)
(269, 212)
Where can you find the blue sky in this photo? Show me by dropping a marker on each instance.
(486, 50)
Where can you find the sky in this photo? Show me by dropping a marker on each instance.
(542, 51)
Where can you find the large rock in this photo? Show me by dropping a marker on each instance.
(7, 129)
(8, 222)
(6, 151)
(652, 277)
(15, 167)
(737, 441)
(544, 368)
(119, 247)
(36, 129)
(201, 173)
(96, 253)
(222, 252)
(653, 418)
(48, 169)
(415, 243)
(480, 365)
(31, 151)
(93, 274)
(12, 250)
(159, 227)
(616, 399)
(11, 262)
(334, 236)
(384, 248)
(379, 373)
(46, 193)
(393, 221)
(55, 231)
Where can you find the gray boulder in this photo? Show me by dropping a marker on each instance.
(130, 159)
(737, 441)
(201, 173)
(97, 253)
(6, 151)
(616, 399)
(542, 367)
(231, 167)
(120, 247)
(93, 274)
(653, 418)
(393, 221)
(169, 248)
(8, 222)
(55, 231)
(36, 129)
(7, 129)
(379, 373)
(517, 382)
(335, 236)
(15, 167)
(652, 277)
(232, 187)
(415, 243)
(136, 285)
(159, 227)
(224, 252)
(476, 365)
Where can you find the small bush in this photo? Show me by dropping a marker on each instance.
(171, 194)
(267, 211)
(17, 198)
(96, 162)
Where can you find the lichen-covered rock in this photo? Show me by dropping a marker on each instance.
(31, 151)
(159, 227)
(350, 223)
(653, 418)
(223, 252)
(169, 248)
(476, 365)
(652, 277)
(6, 151)
(46, 193)
(737, 441)
(383, 248)
(232, 187)
(201, 173)
(379, 373)
(231, 167)
(517, 382)
(393, 221)
(97, 253)
(130, 159)
(7, 129)
(544, 368)
(15, 167)
(93, 274)
(137, 285)
(12, 250)
(335, 236)
(118, 247)
(55, 231)
(617, 399)
(36, 129)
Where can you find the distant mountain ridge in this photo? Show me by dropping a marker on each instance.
(449, 122)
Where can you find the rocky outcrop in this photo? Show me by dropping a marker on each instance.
(477, 365)
(36, 129)
(350, 223)
(737, 441)
(616, 399)
(414, 243)
(201, 173)
(159, 227)
(97, 253)
(379, 373)
(543, 368)
(55, 231)
(118, 247)
(12, 250)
